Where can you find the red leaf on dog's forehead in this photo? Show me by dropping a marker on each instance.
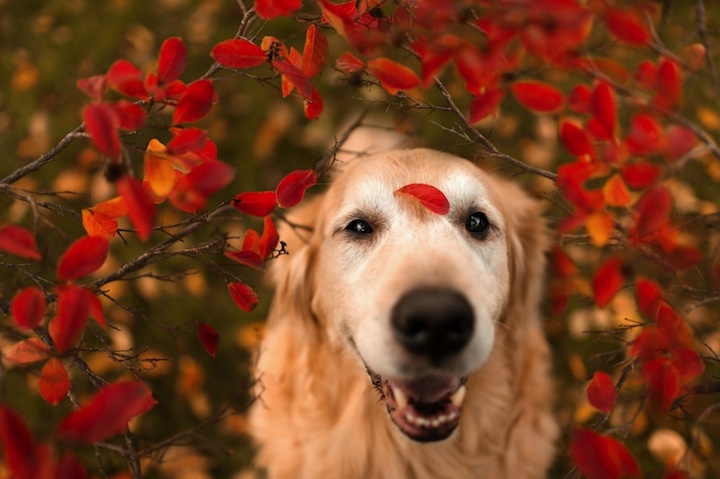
(429, 196)
(601, 392)
(291, 189)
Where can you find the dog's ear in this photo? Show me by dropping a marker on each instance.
(293, 276)
(528, 241)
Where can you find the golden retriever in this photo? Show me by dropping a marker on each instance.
(402, 343)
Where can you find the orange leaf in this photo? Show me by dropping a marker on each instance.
(315, 52)
(98, 224)
(392, 76)
(428, 196)
(600, 226)
(349, 63)
(538, 96)
(54, 381)
(608, 280)
(243, 295)
(28, 307)
(83, 257)
(601, 392)
(615, 191)
(160, 174)
(19, 241)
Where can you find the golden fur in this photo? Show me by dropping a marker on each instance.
(318, 412)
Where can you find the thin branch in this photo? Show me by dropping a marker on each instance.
(487, 144)
(701, 22)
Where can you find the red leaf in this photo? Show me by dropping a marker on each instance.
(260, 203)
(601, 392)
(677, 474)
(269, 239)
(94, 86)
(140, 207)
(69, 467)
(392, 76)
(349, 63)
(604, 108)
(206, 179)
(292, 187)
(130, 115)
(83, 257)
(186, 140)
(172, 60)
(574, 138)
(652, 210)
(73, 310)
(645, 136)
(435, 53)
(96, 308)
(24, 459)
(27, 351)
(649, 297)
(663, 384)
(28, 307)
(269, 9)
(607, 281)
(195, 102)
(646, 75)
(669, 84)
(107, 413)
(247, 258)
(102, 123)
(672, 329)
(243, 295)
(126, 78)
(580, 99)
(54, 381)
(601, 457)
(687, 363)
(627, 26)
(294, 75)
(680, 141)
(538, 96)
(314, 106)
(238, 53)
(251, 241)
(19, 241)
(484, 104)
(640, 175)
(209, 338)
(429, 196)
(315, 52)
(98, 224)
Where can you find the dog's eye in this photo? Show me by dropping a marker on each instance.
(477, 223)
(360, 227)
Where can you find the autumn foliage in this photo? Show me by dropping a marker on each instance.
(631, 188)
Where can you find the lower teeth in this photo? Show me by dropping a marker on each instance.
(436, 422)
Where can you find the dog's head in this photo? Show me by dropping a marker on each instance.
(414, 295)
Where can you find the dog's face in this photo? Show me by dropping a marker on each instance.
(415, 295)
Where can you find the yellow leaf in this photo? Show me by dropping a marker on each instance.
(600, 226)
(615, 191)
(159, 173)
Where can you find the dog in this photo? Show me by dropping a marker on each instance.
(403, 343)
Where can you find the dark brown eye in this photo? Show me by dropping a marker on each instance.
(477, 223)
(360, 227)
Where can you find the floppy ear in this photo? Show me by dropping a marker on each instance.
(528, 240)
(293, 276)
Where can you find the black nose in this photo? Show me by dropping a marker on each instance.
(433, 322)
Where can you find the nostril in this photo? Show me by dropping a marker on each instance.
(433, 322)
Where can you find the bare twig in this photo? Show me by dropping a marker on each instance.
(701, 22)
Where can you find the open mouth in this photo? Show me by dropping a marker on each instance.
(426, 409)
